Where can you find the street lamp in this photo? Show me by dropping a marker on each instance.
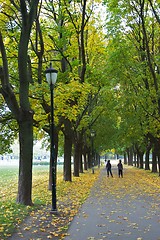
(92, 149)
(51, 77)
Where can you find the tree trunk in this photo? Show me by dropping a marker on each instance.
(80, 163)
(141, 159)
(130, 157)
(25, 119)
(125, 158)
(98, 160)
(154, 161)
(76, 158)
(85, 156)
(85, 162)
(89, 158)
(147, 167)
(67, 158)
(21, 109)
(80, 152)
(135, 159)
(138, 161)
(158, 154)
(25, 164)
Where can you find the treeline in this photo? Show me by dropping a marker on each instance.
(134, 66)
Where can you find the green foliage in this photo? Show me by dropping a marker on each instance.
(116, 57)
(129, 68)
(8, 129)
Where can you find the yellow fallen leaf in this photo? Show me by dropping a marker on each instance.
(42, 229)
(27, 228)
(49, 237)
(1, 229)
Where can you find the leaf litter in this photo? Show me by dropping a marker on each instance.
(42, 225)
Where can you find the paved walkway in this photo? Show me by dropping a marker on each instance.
(119, 209)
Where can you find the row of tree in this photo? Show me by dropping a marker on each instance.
(137, 72)
(108, 80)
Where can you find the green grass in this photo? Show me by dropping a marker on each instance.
(11, 213)
(7, 173)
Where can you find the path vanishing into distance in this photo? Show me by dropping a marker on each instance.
(120, 208)
(117, 209)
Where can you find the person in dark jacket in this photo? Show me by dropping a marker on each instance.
(120, 169)
(108, 168)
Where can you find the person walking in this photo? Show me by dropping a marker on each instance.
(108, 168)
(120, 169)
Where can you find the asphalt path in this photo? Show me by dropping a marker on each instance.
(115, 211)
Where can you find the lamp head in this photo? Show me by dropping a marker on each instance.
(92, 133)
(51, 75)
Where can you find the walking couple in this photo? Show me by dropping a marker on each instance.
(120, 169)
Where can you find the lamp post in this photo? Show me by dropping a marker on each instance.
(92, 137)
(51, 77)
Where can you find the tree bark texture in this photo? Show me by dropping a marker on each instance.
(89, 158)
(141, 159)
(67, 150)
(80, 163)
(85, 161)
(125, 158)
(130, 156)
(135, 159)
(147, 167)
(78, 168)
(25, 163)
(67, 158)
(76, 158)
(154, 161)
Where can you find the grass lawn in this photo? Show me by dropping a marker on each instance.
(12, 214)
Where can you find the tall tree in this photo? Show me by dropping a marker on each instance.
(70, 44)
(20, 108)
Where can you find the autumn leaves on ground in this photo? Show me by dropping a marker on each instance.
(70, 196)
(42, 225)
